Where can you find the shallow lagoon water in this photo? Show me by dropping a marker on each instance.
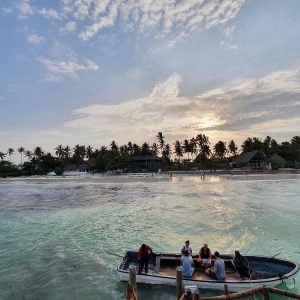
(56, 233)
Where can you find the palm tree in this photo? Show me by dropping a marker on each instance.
(160, 139)
(136, 149)
(89, 151)
(67, 152)
(193, 146)
(204, 148)
(103, 150)
(186, 147)
(247, 145)
(2, 155)
(295, 145)
(154, 148)
(114, 147)
(28, 154)
(178, 150)
(167, 151)
(220, 149)
(130, 148)
(21, 150)
(38, 152)
(79, 153)
(124, 150)
(233, 149)
(267, 145)
(205, 152)
(257, 144)
(145, 149)
(59, 151)
(10, 152)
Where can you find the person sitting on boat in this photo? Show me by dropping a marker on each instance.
(218, 271)
(205, 256)
(241, 264)
(143, 257)
(187, 247)
(187, 264)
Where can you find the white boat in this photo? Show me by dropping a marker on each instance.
(268, 271)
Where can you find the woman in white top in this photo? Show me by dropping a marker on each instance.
(187, 247)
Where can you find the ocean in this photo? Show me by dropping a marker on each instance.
(62, 238)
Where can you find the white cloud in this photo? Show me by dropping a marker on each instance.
(241, 106)
(49, 13)
(35, 39)
(152, 16)
(170, 19)
(228, 44)
(7, 10)
(68, 28)
(25, 9)
(57, 68)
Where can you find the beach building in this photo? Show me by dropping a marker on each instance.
(277, 161)
(254, 160)
(147, 161)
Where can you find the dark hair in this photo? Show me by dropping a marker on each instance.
(143, 246)
(237, 253)
(187, 242)
(217, 254)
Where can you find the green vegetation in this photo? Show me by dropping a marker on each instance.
(190, 154)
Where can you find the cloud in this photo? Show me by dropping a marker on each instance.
(25, 9)
(254, 102)
(174, 19)
(227, 43)
(58, 68)
(169, 21)
(35, 39)
(244, 105)
(7, 10)
(68, 28)
(49, 13)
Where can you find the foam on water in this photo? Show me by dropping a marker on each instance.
(55, 234)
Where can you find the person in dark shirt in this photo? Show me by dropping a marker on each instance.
(205, 255)
(241, 264)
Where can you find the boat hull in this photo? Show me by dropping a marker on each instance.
(236, 284)
(201, 284)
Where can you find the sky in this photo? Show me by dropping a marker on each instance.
(92, 71)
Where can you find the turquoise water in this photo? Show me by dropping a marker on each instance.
(55, 233)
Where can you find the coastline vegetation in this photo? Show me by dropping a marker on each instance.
(189, 154)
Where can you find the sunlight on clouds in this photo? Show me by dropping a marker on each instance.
(249, 105)
(278, 125)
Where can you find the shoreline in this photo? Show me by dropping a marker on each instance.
(176, 176)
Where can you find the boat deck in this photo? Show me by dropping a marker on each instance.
(169, 269)
(199, 274)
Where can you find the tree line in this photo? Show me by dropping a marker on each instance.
(187, 153)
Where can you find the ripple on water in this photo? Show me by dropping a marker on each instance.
(57, 235)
